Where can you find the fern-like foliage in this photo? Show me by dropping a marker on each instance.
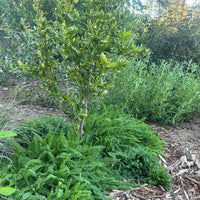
(42, 126)
(130, 142)
(55, 167)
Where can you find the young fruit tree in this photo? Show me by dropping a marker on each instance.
(85, 43)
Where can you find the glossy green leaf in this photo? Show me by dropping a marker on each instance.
(4, 134)
(7, 191)
(104, 60)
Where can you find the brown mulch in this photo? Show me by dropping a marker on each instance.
(182, 161)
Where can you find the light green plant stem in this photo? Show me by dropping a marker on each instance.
(6, 158)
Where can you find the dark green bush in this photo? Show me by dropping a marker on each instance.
(169, 39)
(17, 12)
(42, 126)
(53, 166)
(167, 93)
(130, 142)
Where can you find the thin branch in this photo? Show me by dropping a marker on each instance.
(85, 107)
(6, 158)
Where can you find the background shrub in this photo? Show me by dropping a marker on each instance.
(167, 93)
(169, 38)
(14, 12)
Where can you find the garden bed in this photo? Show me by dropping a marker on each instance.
(182, 161)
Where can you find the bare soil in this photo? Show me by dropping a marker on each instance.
(182, 161)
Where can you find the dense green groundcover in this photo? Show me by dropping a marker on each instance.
(54, 167)
(57, 165)
(130, 142)
(41, 126)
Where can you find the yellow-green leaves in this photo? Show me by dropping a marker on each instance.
(84, 115)
(7, 191)
(104, 59)
(125, 35)
(85, 4)
(19, 63)
(38, 52)
(4, 134)
(113, 65)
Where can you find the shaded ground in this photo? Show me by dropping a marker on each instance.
(182, 161)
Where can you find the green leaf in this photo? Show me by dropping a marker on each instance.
(84, 115)
(26, 196)
(7, 191)
(104, 60)
(85, 4)
(70, 16)
(4, 134)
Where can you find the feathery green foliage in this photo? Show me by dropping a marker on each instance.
(55, 167)
(42, 126)
(130, 142)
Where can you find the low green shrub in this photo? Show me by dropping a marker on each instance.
(167, 93)
(41, 126)
(130, 142)
(52, 166)
(55, 167)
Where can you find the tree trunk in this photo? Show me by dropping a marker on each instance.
(85, 107)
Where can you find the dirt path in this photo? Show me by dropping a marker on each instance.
(182, 161)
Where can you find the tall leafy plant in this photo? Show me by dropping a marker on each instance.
(80, 45)
(168, 93)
